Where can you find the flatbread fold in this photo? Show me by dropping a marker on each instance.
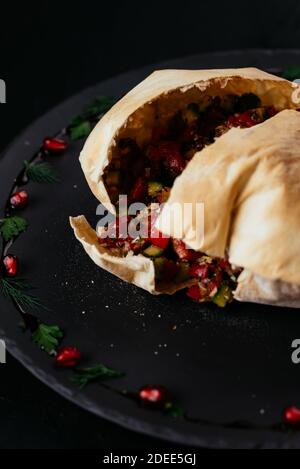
(249, 183)
(243, 174)
(138, 270)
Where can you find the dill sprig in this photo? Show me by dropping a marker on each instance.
(18, 289)
(40, 172)
(47, 337)
(98, 372)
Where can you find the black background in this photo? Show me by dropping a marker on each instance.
(50, 50)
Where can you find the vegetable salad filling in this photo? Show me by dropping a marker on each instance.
(147, 175)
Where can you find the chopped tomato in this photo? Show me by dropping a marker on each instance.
(200, 270)
(155, 236)
(194, 293)
(183, 252)
(242, 120)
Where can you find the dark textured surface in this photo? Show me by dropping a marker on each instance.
(50, 50)
(223, 366)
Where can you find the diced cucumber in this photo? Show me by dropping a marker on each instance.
(154, 188)
(113, 178)
(223, 296)
(159, 266)
(183, 273)
(153, 251)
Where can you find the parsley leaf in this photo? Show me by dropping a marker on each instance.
(291, 73)
(80, 129)
(101, 105)
(47, 337)
(12, 226)
(82, 125)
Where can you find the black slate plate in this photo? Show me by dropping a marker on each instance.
(223, 367)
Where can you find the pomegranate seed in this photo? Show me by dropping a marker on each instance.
(54, 145)
(11, 265)
(19, 199)
(154, 396)
(291, 416)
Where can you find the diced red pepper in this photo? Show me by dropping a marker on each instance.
(155, 236)
(161, 242)
(194, 292)
(200, 270)
(139, 190)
